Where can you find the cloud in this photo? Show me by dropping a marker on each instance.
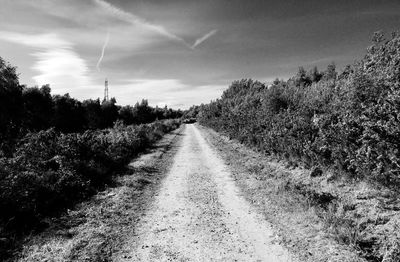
(63, 69)
(203, 38)
(138, 21)
(171, 92)
(102, 51)
(100, 14)
(56, 61)
(38, 41)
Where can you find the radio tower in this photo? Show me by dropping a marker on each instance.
(106, 90)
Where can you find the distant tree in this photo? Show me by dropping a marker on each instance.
(68, 114)
(143, 113)
(159, 112)
(330, 72)
(166, 112)
(378, 37)
(314, 75)
(302, 79)
(10, 104)
(191, 112)
(93, 113)
(38, 108)
(126, 115)
(109, 111)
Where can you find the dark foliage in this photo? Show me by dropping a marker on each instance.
(10, 106)
(56, 151)
(31, 109)
(51, 171)
(143, 113)
(349, 121)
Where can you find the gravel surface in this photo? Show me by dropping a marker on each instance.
(178, 202)
(199, 214)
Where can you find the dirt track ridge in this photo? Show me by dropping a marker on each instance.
(200, 215)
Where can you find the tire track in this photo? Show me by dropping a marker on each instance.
(200, 215)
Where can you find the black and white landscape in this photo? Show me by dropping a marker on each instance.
(215, 130)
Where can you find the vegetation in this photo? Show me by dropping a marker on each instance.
(344, 127)
(349, 121)
(56, 151)
(31, 109)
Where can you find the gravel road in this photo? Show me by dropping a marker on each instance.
(200, 215)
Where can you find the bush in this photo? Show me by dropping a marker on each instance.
(51, 171)
(349, 121)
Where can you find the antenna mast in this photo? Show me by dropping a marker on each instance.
(106, 90)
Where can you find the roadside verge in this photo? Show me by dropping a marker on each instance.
(97, 228)
(294, 208)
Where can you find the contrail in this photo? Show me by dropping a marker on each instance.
(102, 51)
(203, 38)
(138, 21)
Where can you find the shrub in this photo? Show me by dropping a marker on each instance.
(348, 121)
(51, 171)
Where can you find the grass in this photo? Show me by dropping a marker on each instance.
(100, 228)
(321, 218)
(47, 194)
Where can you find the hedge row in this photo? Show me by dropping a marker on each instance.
(349, 121)
(51, 171)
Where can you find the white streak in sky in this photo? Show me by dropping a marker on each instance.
(138, 21)
(203, 38)
(102, 52)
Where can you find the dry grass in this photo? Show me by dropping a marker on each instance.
(96, 230)
(322, 218)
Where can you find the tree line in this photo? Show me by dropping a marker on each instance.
(31, 109)
(56, 151)
(348, 120)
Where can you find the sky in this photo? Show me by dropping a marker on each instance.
(181, 52)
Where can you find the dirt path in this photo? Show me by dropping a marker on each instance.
(200, 215)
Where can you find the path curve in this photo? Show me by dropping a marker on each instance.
(200, 215)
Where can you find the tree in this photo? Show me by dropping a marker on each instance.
(314, 75)
(93, 113)
(302, 79)
(330, 72)
(68, 114)
(126, 115)
(109, 111)
(142, 112)
(38, 108)
(10, 105)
